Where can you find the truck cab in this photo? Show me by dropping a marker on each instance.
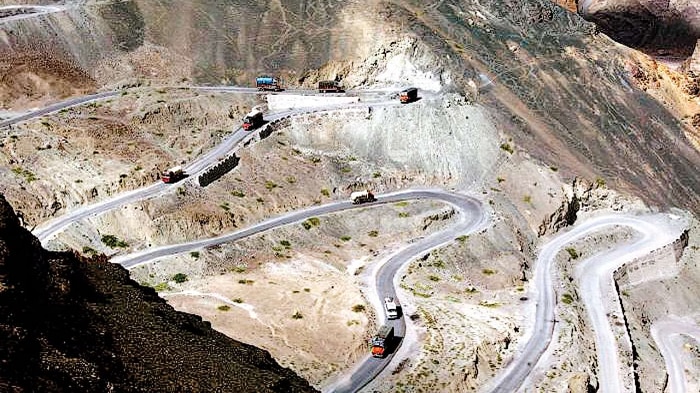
(253, 120)
(172, 175)
(382, 341)
(408, 95)
(391, 308)
(330, 86)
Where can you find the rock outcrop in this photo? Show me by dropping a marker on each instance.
(68, 323)
(657, 27)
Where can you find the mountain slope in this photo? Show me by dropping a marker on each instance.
(68, 323)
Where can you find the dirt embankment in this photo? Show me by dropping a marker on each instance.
(88, 153)
(70, 323)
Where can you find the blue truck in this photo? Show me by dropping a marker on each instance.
(264, 83)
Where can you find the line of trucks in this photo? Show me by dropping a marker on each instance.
(271, 83)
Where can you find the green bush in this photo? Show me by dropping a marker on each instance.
(325, 192)
(112, 241)
(345, 238)
(567, 298)
(238, 193)
(572, 252)
(507, 147)
(224, 307)
(358, 308)
(180, 278)
(488, 272)
(195, 254)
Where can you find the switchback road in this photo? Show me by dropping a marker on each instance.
(656, 231)
(666, 333)
(472, 218)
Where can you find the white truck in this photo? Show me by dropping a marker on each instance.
(358, 197)
(392, 309)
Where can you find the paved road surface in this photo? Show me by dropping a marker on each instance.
(57, 107)
(654, 235)
(36, 10)
(665, 333)
(472, 218)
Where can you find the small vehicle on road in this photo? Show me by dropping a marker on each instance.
(253, 120)
(382, 341)
(173, 175)
(392, 309)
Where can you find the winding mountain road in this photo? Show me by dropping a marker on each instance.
(665, 333)
(17, 12)
(472, 218)
(596, 279)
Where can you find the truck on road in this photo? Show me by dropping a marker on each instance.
(381, 342)
(253, 120)
(408, 95)
(392, 309)
(358, 197)
(172, 175)
(264, 83)
(329, 86)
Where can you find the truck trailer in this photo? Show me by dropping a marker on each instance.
(408, 95)
(358, 197)
(329, 86)
(172, 175)
(253, 120)
(265, 83)
(381, 342)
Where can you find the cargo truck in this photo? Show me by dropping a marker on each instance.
(172, 175)
(329, 86)
(265, 82)
(381, 342)
(408, 95)
(253, 120)
(392, 309)
(358, 197)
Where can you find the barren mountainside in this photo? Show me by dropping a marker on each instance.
(68, 323)
(567, 96)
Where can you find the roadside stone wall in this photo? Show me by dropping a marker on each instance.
(664, 262)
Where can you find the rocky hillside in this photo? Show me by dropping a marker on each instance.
(658, 27)
(69, 323)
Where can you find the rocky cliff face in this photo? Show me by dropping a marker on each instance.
(665, 27)
(69, 323)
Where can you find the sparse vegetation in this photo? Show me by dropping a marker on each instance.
(180, 278)
(507, 147)
(358, 308)
(600, 182)
(238, 269)
(286, 244)
(500, 180)
(433, 278)
(345, 169)
(194, 254)
(291, 179)
(373, 233)
(311, 222)
(224, 307)
(567, 298)
(553, 168)
(345, 238)
(270, 185)
(244, 281)
(527, 199)
(237, 300)
(403, 214)
(238, 193)
(572, 252)
(89, 250)
(112, 241)
(401, 204)
(162, 287)
(225, 206)
(488, 272)
(28, 175)
(325, 192)
(297, 315)
(376, 175)
(462, 238)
